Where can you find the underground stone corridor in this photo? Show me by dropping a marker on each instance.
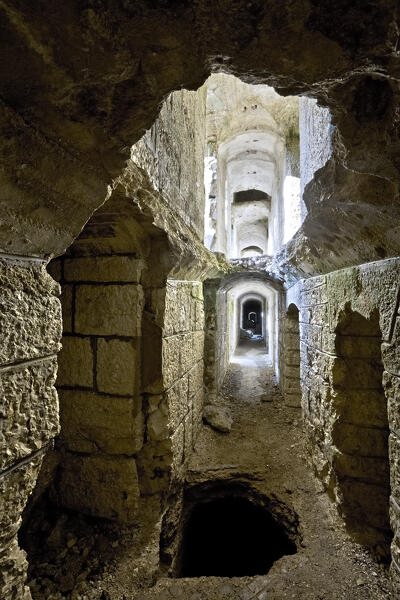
(199, 301)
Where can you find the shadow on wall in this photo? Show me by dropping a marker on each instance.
(291, 358)
(360, 433)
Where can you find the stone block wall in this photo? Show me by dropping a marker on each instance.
(219, 339)
(175, 406)
(172, 154)
(289, 355)
(315, 141)
(108, 408)
(30, 332)
(102, 424)
(350, 381)
(211, 349)
(130, 383)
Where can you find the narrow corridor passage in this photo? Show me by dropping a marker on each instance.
(264, 452)
(250, 362)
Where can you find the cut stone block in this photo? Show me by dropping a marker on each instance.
(75, 362)
(109, 310)
(91, 422)
(117, 367)
(103, 268)
(101, 486)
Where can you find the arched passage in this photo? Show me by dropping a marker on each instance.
(226, 315)
(258, 298)
(251, 251)
(253, 328)
(252, 316)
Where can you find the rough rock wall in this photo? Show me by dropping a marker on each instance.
(172, 154)
(349, 329)
(315, 141)
(69, 118)
(31, 331)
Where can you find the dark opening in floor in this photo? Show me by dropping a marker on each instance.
(232, 537)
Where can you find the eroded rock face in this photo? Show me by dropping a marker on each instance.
(31, 330)
(68, 114)
(351, 219)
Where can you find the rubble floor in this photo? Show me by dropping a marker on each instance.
(266, 448)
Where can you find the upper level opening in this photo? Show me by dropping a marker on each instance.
(256, 166)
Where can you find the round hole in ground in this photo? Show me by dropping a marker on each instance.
(232, 537)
